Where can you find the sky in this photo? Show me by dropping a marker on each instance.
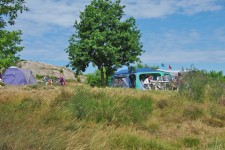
(179, 33)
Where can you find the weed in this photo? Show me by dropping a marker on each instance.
(191, 142)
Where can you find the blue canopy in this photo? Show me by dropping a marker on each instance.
(138, 70)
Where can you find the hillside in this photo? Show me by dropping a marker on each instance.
(40, 68)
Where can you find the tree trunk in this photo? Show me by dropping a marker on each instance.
(106, 79)
(102, 75)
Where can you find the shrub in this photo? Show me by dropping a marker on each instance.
(78, 79)
(93, 80)
(61, 70)
(38, 76)
(199, 85)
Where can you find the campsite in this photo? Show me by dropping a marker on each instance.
(112, 75)
(80, 116)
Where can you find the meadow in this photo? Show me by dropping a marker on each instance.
(78, 116)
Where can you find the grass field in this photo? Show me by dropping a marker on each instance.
(80, 117)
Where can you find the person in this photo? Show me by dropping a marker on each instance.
(62, 81)
(147, 82)
(48, 80)
(0, 77)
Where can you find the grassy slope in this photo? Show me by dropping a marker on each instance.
(79, 117)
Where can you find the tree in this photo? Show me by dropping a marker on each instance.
(101, 38)
(10, 40)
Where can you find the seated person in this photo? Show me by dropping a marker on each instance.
(148, 82)
(47, 80)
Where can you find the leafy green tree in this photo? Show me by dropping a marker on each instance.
(10, 40)
(139, 65)
(101, 38)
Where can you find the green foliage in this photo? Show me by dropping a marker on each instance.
(78, 79)
(191, 142)
(10, 40)
(140, 65)
(103, 39)
(93, 79)
(61, 70)
(101, 108)
(217, 75)
(9, 11)
(38, 76)
(199, 85)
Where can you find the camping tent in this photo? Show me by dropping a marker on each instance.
(18, 76)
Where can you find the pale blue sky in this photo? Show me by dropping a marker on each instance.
(174, 32)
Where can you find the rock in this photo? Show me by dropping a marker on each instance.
(42, 69)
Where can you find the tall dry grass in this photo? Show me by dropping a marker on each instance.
(81, 117)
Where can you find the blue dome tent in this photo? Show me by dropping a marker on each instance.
(18, 76)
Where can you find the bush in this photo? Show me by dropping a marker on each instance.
(78, 79)
(38, 76)
(93, 80)
(199, 85)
